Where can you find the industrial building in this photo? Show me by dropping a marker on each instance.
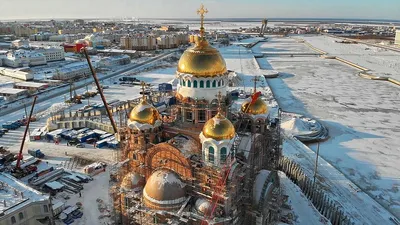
(32, 86)
(114, 61)
(16, 73)
(72, 71)
(12, 93)
(21, 204)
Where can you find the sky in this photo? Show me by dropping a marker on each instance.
(56, 9)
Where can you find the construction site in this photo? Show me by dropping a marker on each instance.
(203, 163)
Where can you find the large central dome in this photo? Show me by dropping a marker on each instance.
(202, 60)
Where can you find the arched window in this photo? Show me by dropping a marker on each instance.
(183, 83)
(201, 84)
(223, 154)
(13, 220)
(189, 83)
(20, 216)
(219, 83)
(214, 84)
(211, 154)
(208, 84)
(195, 83)
(223, 83)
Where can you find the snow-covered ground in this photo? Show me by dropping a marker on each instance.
(381, 62)
(362, 117)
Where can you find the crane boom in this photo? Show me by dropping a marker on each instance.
(25, 132)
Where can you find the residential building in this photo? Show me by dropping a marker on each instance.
(53, 54)
(42, 36)
(21, 204)
(397, 38)
(58, 38)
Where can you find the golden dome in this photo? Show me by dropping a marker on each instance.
(144, 113)
(202, 60)
(219, 128)
(258, 107)
(164, 190)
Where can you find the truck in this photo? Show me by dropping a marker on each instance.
(36, 153)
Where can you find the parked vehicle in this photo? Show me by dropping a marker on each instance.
(80, 145)
(36, 153)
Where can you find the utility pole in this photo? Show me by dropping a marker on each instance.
(316, 163)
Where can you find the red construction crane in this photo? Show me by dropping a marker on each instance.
(26, 131)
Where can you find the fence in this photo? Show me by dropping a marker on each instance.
(319, 199)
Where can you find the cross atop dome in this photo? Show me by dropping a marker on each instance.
(255, 79)
(201, 12)
(219, 98)
(143, 84)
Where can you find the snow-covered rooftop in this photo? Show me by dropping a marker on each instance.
(14, 193)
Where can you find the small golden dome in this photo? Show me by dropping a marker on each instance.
(219, 128)
(202, 60)
(258, 107)
(144, 113)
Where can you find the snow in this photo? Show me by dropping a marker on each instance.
(378, 60)
(296, 126)
(303, 210)
(164, 177)
(362, 118)
(54, 185)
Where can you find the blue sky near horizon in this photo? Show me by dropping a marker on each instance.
(360, 9)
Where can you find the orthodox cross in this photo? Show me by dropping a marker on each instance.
(255, 79)
(219, 97)
(143, 84)
(201, 12)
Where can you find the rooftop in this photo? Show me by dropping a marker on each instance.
(11, 91)
(14, 193)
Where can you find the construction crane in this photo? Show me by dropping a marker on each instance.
(18, 171)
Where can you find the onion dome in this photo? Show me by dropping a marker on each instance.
(219, 128)
(132, 181)
(202, 206)
(164, 190)
(257, 107)
(144, 113)
(202, 60)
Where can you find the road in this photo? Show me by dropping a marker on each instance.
(63, 90)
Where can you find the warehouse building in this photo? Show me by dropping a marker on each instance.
(21, 204)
